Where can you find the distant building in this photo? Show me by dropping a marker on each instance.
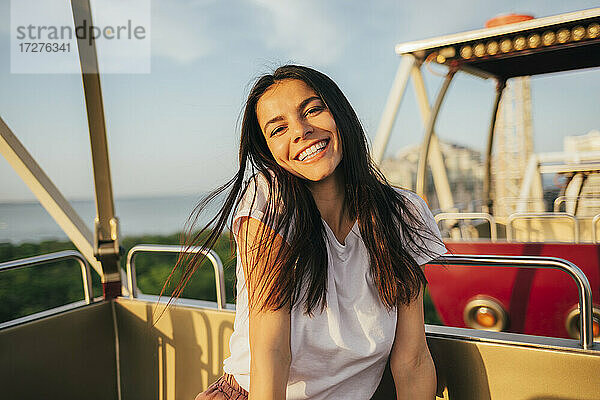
(589, 190)
(464, 169)
(588, 142)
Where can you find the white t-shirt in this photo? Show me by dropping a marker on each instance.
(339, 353)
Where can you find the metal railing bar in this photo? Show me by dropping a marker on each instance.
(156, 248)
(183, 302)
(583, 285)
(544, 215)
(507, 338)
(459, 216)
(86, 275)
(42, 314)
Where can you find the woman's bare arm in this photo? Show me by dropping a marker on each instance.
(410, 361)
(270, 353)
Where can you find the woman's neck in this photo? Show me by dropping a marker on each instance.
(329, 198)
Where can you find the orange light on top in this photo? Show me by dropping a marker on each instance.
(506, 19)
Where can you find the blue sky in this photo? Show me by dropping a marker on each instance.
(175, 130)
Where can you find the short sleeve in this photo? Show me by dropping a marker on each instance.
(254, 202)
(432, 239)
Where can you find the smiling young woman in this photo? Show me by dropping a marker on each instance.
(329, 255)
(299, 130)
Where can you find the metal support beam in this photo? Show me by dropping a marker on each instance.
(421, 172)
(573, 191)
(487, 176)
(531, 187)
(106, 229)
(436, 161)
(388, 117)
(47, 194)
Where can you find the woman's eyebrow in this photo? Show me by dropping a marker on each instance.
(275, 119)
(308, 100)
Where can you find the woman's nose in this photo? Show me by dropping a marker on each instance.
(301, 129)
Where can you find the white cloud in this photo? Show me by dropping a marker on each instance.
(303, 30)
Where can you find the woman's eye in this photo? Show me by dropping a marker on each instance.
(314, 110)
(276, 130)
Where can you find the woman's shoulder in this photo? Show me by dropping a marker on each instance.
(415, 200)
(258, 188)
(417, 206)
(259, 200)
(263, 181)
(429, 237)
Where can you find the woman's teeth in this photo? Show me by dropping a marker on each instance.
(312, 150)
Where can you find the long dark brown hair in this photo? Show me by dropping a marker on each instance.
(390, 226)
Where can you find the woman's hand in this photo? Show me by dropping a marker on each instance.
(270, 353)
(410, 361)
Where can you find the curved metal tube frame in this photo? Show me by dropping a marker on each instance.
(156, 248)
(558, 201)
(86, 276)
(487, 175)
(583, 285)
(547, 215)
(454, 216)
(422, 168)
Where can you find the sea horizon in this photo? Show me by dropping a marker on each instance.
(27, 221)
(116, 198)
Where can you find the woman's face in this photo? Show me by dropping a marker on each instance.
(299, 129)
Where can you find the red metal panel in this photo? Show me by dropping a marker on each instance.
(537, 301)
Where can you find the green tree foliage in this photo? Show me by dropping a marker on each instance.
(32, 289)
(152, 269)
